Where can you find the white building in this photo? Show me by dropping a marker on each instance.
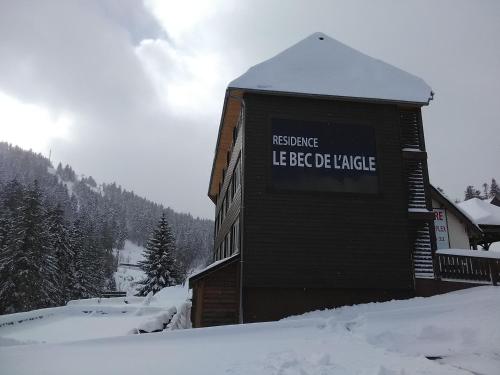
(455, 227)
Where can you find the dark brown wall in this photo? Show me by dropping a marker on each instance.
(324, 240)
(429, 287)
(216, 298)
(266, 304)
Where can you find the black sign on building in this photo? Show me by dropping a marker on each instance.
(320, 186)
(323, 156)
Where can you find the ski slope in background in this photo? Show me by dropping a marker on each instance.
(126, 277)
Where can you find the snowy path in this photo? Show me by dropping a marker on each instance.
(379, 339)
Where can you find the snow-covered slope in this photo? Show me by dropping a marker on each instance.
(126, 276)
(372, 339)
(131, 253)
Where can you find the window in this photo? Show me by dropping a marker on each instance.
(231, 242)
(217, 254)
(237, 175)
(228, 241)
(225, 206)
(237, 239)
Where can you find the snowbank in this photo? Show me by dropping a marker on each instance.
(94, 318)
(157, 323)
(182, 319)
(461, 328)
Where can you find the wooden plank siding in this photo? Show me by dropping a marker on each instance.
(234, 208)
(324, 240)
(230, 116)
(216, 297)
(266, 304)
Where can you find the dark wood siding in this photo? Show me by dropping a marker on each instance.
(265, 304)
(234, 208)
(216, 298)
(324, 240)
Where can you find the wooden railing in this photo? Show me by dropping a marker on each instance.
(471, 267)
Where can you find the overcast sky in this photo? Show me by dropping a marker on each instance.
(132, 91)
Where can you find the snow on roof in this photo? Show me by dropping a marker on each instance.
(321, 65)
(212, 265)
(481, 212)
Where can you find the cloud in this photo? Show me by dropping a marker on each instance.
(143, 83)
(18, 119)
(88, 60)
(187, 88)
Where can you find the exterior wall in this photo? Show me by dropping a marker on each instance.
(216, 298)
(323, 240)
(457, 230)
(428, 288)
(266, 304)
(232, 211)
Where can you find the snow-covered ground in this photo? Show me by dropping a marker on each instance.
(92, 318)
(463, 328)
(125, 276)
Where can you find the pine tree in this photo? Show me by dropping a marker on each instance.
(80, 283)
(494, 188)
(485, 191)
(63, 253)
(11, 199)
(472, 192)
(28, 259)
(160, 264)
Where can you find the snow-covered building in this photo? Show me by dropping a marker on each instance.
(454, 228)
(485, 214)
(320, 185)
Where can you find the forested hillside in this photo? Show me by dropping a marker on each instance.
(58, 231)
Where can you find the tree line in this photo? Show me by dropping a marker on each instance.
(487, 191)
(46, 260)
(71, 217)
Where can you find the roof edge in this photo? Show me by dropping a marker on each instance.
(213, 267)
(333, 97)
(226, 96)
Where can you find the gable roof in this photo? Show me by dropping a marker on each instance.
(316, 66)
(320, 65)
